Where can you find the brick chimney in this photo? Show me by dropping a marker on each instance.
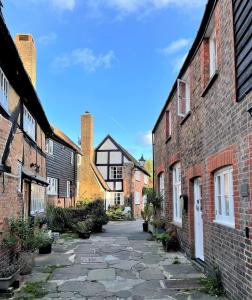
(87, 135)
(27, 51)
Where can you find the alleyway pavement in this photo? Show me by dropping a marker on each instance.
(116, 264)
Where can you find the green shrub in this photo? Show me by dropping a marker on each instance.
(58, 218)
(116, 213)
(213, 283)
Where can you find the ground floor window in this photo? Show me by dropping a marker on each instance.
(224, 199)
(118, 198)
(161, 191)
(137, 198)
(52, 188)
(68, 188)
(176, 176)
(38, 194)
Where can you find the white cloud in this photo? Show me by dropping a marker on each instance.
(146, 138)
(175, 46)
(47, 38)
(86, 58)
(63, 4)
(178, 62)
(126, 7)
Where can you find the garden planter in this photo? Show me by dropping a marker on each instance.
(26, 262)
(97, 228)
(171, 245)
(84, 235)
(145, 227)
(5, 283)
(45, 249)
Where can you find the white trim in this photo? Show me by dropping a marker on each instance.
(49, 146)
(212, 53)
(115, 173)
(4, 91)
(186, 82)
(224, 197)
(52, 188)
(176, 180)
(68, 189)
(29, 124)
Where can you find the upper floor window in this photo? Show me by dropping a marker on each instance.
(4, 91)
(138, 175)
(168, 123)
(52, 188)
(224, 198)
(212, 54)
(184, 95)
(146, 179)
(118, 198)
(161, 190)
(72, 158)
(115, 172)
(176, 176)
(29, 124)
(49, 146)
(19, 175)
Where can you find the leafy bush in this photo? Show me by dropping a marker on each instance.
(213, 283)
(58, 218)
(84, 226)
(8, 270)
(146, 213)
(162, 237)
(116, 213)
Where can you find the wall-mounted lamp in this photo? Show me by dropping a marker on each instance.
(250, 111)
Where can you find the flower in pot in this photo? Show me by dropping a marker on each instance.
(8, 274)
(146, 214)
(84, 228)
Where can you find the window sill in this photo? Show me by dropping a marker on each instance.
(168, 139)
(185, 118)
(210, 83)
(231, 225)
(177, 224)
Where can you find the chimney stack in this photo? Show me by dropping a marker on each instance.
(27, 51)
(87, 135)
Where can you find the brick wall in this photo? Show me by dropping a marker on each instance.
(217, 133)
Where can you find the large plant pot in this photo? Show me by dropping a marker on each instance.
(97, 228)
(145, 227)
(84, 235)
(5, 283)
(46, 249)
(26, 262)
(172, 244)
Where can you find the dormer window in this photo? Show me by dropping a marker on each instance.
(4, 91)
(184, 95)
(29, 124)
(49, 146)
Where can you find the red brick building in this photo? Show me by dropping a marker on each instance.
(23, 127)
(202, 144)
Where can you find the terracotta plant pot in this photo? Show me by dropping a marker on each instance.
(145, 227)
(46, 249)
(26, 262)
(5, 283)
(84, 235)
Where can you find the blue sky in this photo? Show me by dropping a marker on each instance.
(114, 58)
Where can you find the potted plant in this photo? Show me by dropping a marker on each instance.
(8, 274)
(83, 228)
(172, 244)
(45, 244)
(159, 224)
(146, 215)
(27, 239)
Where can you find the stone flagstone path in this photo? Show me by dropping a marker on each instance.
(117, 264)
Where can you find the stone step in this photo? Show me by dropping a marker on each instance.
(190, 284)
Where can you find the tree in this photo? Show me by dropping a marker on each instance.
(149, 168)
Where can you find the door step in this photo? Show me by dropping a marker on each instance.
(180, 284)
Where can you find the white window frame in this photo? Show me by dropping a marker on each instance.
(137, 198)
(72, 158)
(176, 180)
(118, 196)
(4, 91)
(146, 179)
(68, 188)
(184, 81)
(49, 146)
(29, 124)
(161, 190)
(222, 214)
(38, 199)
(114, 172)
(138, 175)
(52, 188)
(212, 53)
(77, 188)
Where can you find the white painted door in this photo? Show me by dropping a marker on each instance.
(198, 223)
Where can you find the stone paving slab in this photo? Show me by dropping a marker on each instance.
(118, 264)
